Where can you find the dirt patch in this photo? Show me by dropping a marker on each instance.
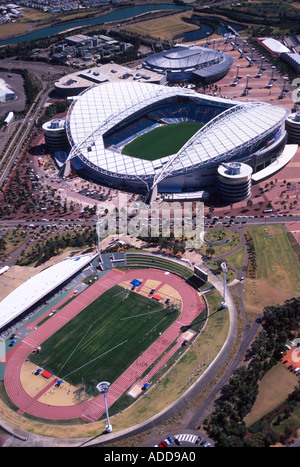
(258, 294)
(44, 390)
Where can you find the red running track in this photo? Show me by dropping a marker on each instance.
(92, 410)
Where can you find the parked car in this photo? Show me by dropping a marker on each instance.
(162, 444)
(177, 442)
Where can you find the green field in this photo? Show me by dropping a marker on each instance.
(277, 263)
(162, 141)
(105, 338)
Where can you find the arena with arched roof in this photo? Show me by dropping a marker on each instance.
(106, 118)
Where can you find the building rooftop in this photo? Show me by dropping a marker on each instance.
(111, 72)
(101, 108)
(38, 286)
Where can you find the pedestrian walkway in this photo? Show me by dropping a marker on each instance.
(187, 438)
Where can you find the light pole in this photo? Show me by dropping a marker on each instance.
(224, 268)
(103, 389)
(251, 59)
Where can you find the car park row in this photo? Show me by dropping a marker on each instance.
(183, 438)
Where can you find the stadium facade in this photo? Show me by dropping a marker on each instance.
(190, 63)
(104, 118)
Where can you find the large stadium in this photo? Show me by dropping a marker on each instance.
(183, 63)
(145, 137)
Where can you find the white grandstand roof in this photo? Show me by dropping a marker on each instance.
(229, 132)
(100, 108)
(38, 286)
(274, 45)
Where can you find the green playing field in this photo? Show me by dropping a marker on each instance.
(162, 141)
(105, 338)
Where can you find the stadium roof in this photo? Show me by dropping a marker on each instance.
(38, 286)
(274, 45)
(185, 57)
(100, 108)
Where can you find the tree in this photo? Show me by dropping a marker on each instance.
(3, 244)
(210, 251)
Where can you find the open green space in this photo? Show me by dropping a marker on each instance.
(278, 271)
(162, 141)
(103, 340)
(274, 389)
(276, 260)
(218, 236)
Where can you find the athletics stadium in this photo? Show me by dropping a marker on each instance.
(150, 138)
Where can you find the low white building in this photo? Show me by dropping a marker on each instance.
(5, 92)
(35, 289)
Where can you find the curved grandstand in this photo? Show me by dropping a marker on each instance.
(106, 118)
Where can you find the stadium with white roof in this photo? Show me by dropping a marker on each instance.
(190, 62)
(106, 117)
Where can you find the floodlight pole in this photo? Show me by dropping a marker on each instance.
(223, 267)
(98, 229)
(103, 389)
(273, 71)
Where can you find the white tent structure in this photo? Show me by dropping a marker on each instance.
(5, 92)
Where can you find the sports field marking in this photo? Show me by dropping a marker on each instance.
(94, 359)
(155, 326)
(143, 314)
(76, 347)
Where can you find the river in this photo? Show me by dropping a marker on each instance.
(116, 15)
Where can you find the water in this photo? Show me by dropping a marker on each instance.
(116, 15)
(205, 30)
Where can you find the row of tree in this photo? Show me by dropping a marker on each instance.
(175, 245)
(42, 251)
(252, 265)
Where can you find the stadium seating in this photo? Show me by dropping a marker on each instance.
(166, 112)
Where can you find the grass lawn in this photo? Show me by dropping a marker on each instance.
(277, 263)
(162, 141)
(166, 27)
(274, 388)
(278, 270)
(216, 235)
(14, 239)
(236, 259)
(102, 341)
